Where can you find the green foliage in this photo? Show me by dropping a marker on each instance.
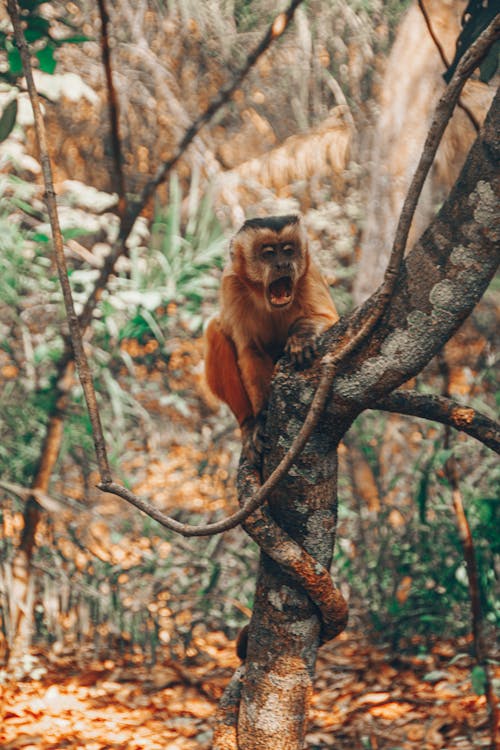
(42, 24)
(423, 547)
(23, 272)
(478, 679)
(178, 266)
(8, 119)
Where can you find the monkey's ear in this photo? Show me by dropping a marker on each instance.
(234, 249)
(237, 255)
(302, 235)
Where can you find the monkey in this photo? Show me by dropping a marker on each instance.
(273, 299)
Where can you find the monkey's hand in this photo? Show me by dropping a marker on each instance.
(301, 345)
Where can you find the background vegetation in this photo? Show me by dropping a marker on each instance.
(108, 577)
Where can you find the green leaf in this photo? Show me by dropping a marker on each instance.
(40, 237)
(30, 4)
(478, 679)
(15, 62)
(8, 119)
(71, 232)
(46, 59)
(75, 39)
(37, 27)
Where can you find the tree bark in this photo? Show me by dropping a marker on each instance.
(443, 277)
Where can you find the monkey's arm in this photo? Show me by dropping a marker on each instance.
(316, 314)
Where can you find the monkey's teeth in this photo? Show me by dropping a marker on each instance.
(280, 292)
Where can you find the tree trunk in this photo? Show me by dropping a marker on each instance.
(284, 633)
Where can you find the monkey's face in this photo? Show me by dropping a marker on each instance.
(272, 255)
(282, 264)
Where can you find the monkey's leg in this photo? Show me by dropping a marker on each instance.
(256, 371)
(223, 373)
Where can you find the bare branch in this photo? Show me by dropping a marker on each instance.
(113, 108)
(50, 201)
(445, 62)
(446, 411)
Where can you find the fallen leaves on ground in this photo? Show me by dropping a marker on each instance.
(363, 698)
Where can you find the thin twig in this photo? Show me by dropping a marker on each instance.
(446, 411)
(50, 201)
(114, 112)
(445, 62)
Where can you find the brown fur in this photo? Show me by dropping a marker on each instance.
(251, 333)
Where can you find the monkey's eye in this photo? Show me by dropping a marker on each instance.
(288, 249)
(268, 252)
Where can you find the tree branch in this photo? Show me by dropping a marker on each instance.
(113, 108)
(446, 411)
(50, 201)
(445, 62)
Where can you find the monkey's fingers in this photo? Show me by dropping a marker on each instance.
(301, 351)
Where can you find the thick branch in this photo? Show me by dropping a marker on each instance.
(443, 277)
(292, 558)
(446, 411)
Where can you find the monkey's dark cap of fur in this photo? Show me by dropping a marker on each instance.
(276, 223)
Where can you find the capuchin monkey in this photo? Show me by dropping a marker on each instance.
(273, 299)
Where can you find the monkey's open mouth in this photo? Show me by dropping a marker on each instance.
(280, 292)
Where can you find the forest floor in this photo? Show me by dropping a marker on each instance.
(363, 698)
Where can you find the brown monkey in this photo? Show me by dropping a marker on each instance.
(273, 299)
